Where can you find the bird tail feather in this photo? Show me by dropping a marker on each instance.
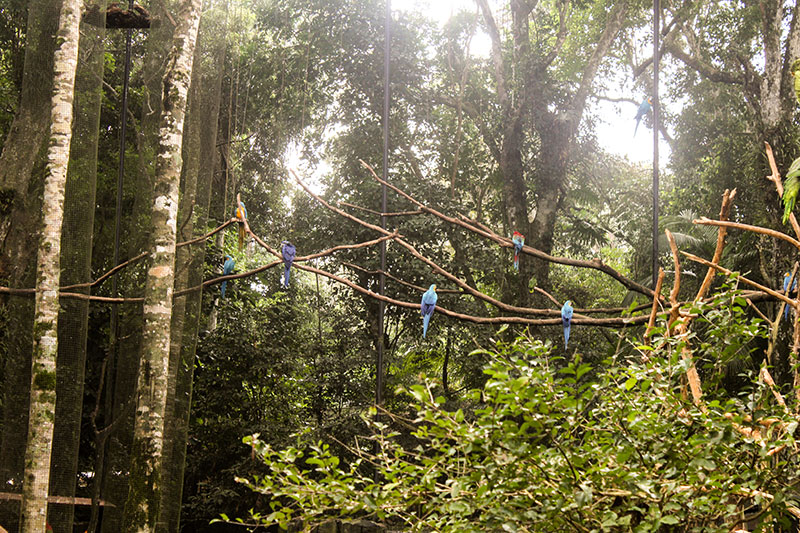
(286, 276)
(241, 237)
(516, 261)
(566, 337)
(222, 289)
(637, 127)
(425, 320)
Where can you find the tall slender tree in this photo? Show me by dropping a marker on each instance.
(19, 212)
(141, 508)
(48, 272)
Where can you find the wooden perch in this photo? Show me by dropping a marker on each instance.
(682, 329)
(400, 281)
(774, 294)
(775, 178)
(117, 17)
(505, 242)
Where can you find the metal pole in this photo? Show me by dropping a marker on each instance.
(656, 109)
(123, 120)
(382, 279)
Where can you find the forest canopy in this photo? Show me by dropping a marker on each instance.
(247, 279)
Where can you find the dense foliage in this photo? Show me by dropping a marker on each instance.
(557, 444)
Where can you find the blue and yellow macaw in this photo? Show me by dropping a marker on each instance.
(519, 241)
(288, 252)
(786, 278)
(227, 268)
(566, 320)
(427, 306)
(644, 108)
(241, 214)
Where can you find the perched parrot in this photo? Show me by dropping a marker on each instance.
(227, 268)
(519, 241)
(287, 251)
(786, 278)
(796, 75)
(241, 214)
(644, 108)
(427, 306)
(566, 320)
(791, 186)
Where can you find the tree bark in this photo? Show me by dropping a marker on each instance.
(48, 271)
(125, 355)
(20, 207)
(141, 508)
(76, 259)
(204, 113)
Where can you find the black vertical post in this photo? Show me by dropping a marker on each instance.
(382, 279)
(123, 120)
(656, 109)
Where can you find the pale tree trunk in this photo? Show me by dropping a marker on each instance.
(48, 270)
(19, 221)
(124, 366)
(76, 259)
(141, 508)
(200, 160)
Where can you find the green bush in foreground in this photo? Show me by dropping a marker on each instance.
(553, 445)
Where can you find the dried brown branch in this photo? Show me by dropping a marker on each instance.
(436, 268)
(724, 212)
(654, 310)
(400, 281)
(766, 377)
(682, 328)
(775, 178)
(724, 270)
(747, 227)
(505, 242)
(397, 214)
(606, 322)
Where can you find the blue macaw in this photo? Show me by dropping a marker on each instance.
(644, 108)
(566, 320)
(427, 306)
(287, 251)
(227, 268)
(519, 241)
(786, 278)
(241, 214)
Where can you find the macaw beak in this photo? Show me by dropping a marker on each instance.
(434, 288)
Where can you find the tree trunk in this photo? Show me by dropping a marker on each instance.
(20, 208)
(76, 256)
(125, 355)
(141, 508)
(48, 271)
(204, 110)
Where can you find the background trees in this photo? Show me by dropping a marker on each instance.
(493, 118)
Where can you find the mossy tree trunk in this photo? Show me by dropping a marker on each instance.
(145, 484)
(124, 367)
(19, 214)
(76, 258)
(48, 272)
(199, 163)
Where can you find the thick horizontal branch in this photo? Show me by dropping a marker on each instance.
(747, 227)
(400, 281)
(397, 214)
(743, 279)
(436, 268)
(595, 264)
(605, 322)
